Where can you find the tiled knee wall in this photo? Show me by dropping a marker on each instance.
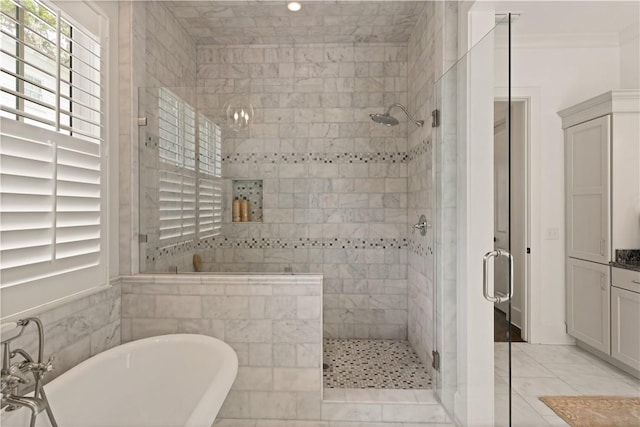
(77, 330)
(273, 322)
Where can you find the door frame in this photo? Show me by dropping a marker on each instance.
(475, 396)
(533, 230)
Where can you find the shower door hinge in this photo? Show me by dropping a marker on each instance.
(142, 238)
(142, 121)
(435, 364)
(435, 118)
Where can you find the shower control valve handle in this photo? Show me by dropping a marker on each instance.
(422, 225)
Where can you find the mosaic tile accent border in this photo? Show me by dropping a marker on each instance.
(420, 149)
(377, 364)
(338, 158)
(330, 158)
(267, 243)
(419, 248)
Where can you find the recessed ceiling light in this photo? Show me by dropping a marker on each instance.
(294, 6)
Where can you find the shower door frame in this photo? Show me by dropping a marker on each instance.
(475, 392)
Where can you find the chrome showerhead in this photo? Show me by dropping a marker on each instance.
(388, 120)
(384, 119)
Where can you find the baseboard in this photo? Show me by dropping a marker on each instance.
(608, 359)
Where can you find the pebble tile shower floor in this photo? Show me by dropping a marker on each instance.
(378, 364)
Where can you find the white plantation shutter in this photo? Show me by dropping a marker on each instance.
(209, 178)
(78, 201)
(50, 214)
(177, 205)
(190, 177)
(27, 195)
(52, 173)
(177, 145)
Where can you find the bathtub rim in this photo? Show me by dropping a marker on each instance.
(202, 409)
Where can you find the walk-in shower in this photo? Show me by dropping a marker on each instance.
(388, 120)
(327, 193)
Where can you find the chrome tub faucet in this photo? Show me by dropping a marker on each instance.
(16, 377)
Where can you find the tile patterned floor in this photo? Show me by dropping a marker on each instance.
(548, 370)
(537, 370)
(377, 364)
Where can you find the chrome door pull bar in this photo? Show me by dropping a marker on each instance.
(501, 297)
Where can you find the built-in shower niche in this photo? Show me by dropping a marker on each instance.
(251, 191)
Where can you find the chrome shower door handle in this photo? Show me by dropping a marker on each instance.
(485, 276)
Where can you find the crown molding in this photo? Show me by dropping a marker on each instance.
(612, 102)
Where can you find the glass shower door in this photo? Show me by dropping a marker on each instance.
(464, 215)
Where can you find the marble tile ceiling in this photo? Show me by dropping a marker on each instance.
(270, 22)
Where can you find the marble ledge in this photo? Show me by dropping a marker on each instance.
(224, 279)
(221, 284)
(625, 266)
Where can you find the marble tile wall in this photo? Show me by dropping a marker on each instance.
(273, 322)
(333, 179)
(77, 330)
(170, 53)
(334, 182)
(340, 191)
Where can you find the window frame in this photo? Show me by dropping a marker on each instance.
(37, 293)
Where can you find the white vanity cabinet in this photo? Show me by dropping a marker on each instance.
(602, 214)
(625, 317)
(602, 175)
(587, 186)
(588, 316)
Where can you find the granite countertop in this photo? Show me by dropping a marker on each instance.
(628, 259)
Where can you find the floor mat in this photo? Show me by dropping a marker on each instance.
(596, 411)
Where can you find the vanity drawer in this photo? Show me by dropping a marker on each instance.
(625, 279)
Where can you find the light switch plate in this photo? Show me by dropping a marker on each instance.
(553, 234)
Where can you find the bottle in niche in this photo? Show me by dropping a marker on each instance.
(235, 210)
(244, 211)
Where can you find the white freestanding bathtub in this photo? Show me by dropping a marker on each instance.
(170, 381)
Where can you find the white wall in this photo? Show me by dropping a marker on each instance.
(556, 77)
(630, 58)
